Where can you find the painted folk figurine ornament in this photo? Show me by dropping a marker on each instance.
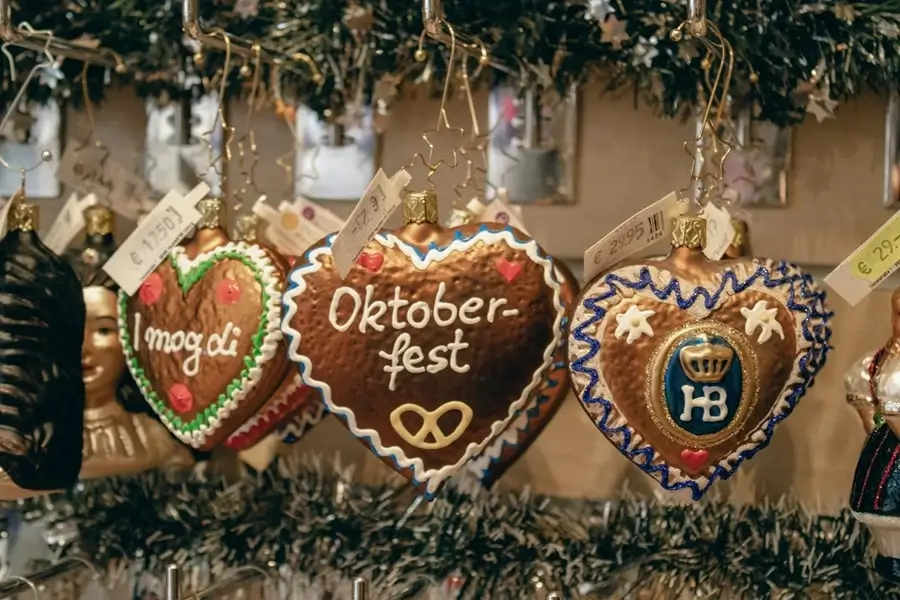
(120, 438)
(41, 331)
(433, 343)
(291, 396)
(687, 365)
(202, 338)
(875, 495)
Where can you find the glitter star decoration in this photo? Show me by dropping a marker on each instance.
(598, 10)
(707, 150)
(217, 161)
(821, 106)
(475, 155)
(456, 134)
(614, 32)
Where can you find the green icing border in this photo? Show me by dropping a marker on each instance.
(186, 281)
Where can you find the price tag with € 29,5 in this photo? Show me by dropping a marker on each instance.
(379, 201)
(868, 265)
(640, 231)
(164, 227)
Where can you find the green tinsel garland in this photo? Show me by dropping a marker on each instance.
(780, 42)
(318, 523)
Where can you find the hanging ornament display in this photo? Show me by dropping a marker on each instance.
(525, 428)
(875, 495)
(201, 337)
(291, 396)
(120, 438)
(41, 332)
(433, 342)
(687, 365)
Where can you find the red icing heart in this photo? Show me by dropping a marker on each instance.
(694, 459)
(509, 269)
(151, 289)
(228, 291)
(371, 261)
(180, 398)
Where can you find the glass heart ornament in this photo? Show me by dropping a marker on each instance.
(687, 365)
(433, 343)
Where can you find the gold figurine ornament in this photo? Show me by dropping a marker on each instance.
(875, 495)
(116, 440)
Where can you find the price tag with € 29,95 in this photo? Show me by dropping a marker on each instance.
(868, 265)
(638, 232)
(164, 227)
(379, 201)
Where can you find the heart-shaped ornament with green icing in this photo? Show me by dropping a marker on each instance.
(433, 343)
(202, 339)
(687, 365)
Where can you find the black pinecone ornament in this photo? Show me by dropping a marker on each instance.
(41, 333)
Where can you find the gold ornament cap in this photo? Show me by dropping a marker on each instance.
(689, 232)
(213, 214)
(247, 228)
(420, 207)
(99, 220)
(23, 216)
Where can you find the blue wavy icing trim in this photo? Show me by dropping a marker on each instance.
(803, 296)
(381, 237)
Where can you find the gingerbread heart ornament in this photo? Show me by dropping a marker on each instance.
(687, 365)
(202, 339)
(428, 352)
(528, 424)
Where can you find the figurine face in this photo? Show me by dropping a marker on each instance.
(102, 359)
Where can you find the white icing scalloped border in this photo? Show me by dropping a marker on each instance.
(431, 477)
(267, 348)
(698, 310)
(273, 408)
(297, 427)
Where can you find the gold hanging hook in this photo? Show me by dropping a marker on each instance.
(714, 112)
(246, 145)
(48, 63)
(218, 164)
(443, 123)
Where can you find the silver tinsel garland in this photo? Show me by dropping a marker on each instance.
(315, 521)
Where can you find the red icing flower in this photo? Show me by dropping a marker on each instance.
(228, 291)
(151, 290)
(180, 398)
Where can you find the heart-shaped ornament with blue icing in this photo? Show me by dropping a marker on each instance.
(687, 365)
(433, 343)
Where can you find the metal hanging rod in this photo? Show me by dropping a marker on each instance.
(190, 22)
(42, 41)
(433, 21)
(237, 581)
(20, 585)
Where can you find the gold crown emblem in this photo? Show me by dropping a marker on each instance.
(706, 362)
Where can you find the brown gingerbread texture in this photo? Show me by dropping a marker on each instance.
(432, 343)
(522, 431)
(202, 338)
(687, 365)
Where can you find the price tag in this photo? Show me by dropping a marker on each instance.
(91, 171)
(68, 223)
(719, 231)
(379, 201)
(160, 231)
(285, 230)
(499, 211)
(318, 216)
(640, 231)
(868, 265)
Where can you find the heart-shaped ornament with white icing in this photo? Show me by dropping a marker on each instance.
(202, 339)
(433, 343)
(687, 365)
(543, 405)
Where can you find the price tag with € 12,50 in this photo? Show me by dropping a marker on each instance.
(164, 227)
(640, 231)
(379, 201)
(868, 265)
